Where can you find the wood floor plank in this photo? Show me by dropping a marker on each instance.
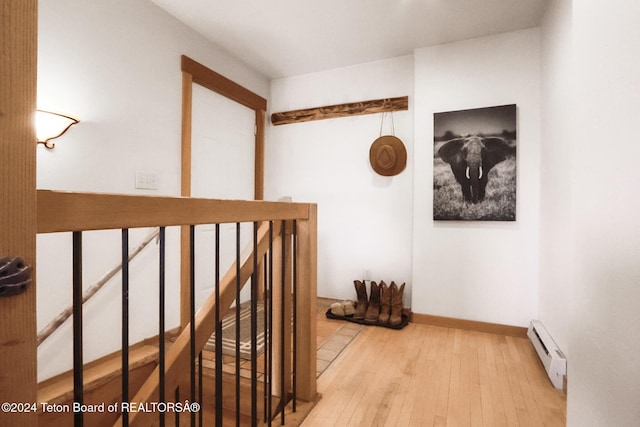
(414, 382)
(388, 379)
(504, 386)
(432, 392)
(493, 410)
(434, 376)
(445, 362)
(402, 403)
(475, 396)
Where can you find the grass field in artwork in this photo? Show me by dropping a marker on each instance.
(499, 203)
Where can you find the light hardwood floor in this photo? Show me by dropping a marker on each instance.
(435, 376)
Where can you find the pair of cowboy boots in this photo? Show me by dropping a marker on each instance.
(390, 303)
(384, 304)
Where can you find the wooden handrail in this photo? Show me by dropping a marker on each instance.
(66, 211)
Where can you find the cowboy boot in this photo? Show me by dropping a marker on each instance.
(361, 306)
(373, 311)
(385, 303)
(396, 304)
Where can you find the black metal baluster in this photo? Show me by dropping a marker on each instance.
(161, 326)
(200, 388)
(238, 324)
(176, 399)
(294, 256)
(254, 329)
(218, 328)
(265, 359)
(283, 319)
(265, 273)
(192, 313)
(125, 323)
(268, 330)
(78, 365)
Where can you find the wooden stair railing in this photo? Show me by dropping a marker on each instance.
(77, 212)
(178, 356)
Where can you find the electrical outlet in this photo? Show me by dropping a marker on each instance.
(146, 181)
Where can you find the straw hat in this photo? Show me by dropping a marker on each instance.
(388, 155)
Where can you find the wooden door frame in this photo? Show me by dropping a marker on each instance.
(194, 72)
(18, 82)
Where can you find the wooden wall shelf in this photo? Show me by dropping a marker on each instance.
(341, 110)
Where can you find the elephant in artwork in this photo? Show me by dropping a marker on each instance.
(471, 158)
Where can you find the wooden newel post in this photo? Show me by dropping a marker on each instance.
(306, 297)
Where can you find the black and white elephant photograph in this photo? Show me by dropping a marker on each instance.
(474, 170)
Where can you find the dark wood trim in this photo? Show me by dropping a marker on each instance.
(341, 110)
(469, 325)
(220, 84)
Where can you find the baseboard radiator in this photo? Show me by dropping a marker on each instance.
(551, 356)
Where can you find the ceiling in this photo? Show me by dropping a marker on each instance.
(283, 38)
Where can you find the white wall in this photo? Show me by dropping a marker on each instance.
(364, 219)
(556, 222)
(478, 270)
(604, 368)
(116, 66)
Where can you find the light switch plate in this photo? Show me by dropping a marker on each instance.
(146, 180)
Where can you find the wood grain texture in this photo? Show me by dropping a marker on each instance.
(220, 84)
(258, 186)
(18, 48)
(65, 211)
(306, 297)
(102, 384)
(185, 182)
(341, 110)
(427, 375)
(187, 119)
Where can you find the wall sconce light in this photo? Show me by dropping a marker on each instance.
(51, 125)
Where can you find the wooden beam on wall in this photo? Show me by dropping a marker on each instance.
(341, 110)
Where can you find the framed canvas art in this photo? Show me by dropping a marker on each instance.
(474, 164)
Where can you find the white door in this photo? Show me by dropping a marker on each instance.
(222, 167)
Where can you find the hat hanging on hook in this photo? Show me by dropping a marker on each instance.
(388, 155)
